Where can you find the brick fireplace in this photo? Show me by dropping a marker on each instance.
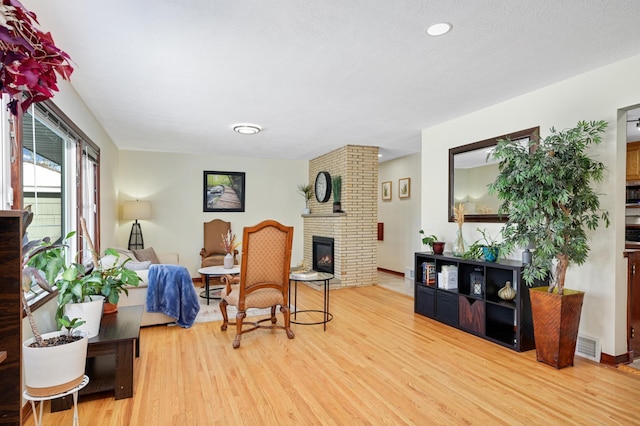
(354, 231)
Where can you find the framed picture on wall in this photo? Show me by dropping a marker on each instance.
(223, 191)
(404, 187)
(386, 191)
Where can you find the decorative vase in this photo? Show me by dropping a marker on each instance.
(507, 292)
(90, 311)
(228, 261)
(54, 369)
(459, 246)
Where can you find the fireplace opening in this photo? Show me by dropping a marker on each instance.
(322, 248)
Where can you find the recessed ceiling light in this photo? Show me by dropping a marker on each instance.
(438, 29)
(247, 129)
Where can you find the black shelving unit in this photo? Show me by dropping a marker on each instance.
(474, 306)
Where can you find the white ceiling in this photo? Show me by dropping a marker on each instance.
(316, 75)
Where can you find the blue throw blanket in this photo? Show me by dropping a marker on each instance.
(171, 292)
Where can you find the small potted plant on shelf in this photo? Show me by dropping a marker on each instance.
(487, 248)
(336, 186)
(546, 191)
(432, 241)
(307, 192)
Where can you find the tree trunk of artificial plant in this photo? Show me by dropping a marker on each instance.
(561, 273)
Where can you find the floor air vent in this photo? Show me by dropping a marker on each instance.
(588, 347)
(408, 273)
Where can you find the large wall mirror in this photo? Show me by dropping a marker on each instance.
(471, 170)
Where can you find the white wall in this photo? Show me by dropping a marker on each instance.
(173, 184)
(401, 216)
(74, 107)
(592, 96)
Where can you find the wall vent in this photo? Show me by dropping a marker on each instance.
(408, 273)
(588, 347)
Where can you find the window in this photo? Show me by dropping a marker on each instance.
(56, 173)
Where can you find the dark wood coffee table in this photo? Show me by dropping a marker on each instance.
(110, 356)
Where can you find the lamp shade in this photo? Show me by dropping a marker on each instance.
(136, 210)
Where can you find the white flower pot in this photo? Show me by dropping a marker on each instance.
(91, 312)
(55, 369)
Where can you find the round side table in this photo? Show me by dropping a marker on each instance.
(41, 399)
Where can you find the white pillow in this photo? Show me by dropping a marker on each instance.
(137, 266)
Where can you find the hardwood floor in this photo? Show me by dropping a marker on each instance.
(377, 363)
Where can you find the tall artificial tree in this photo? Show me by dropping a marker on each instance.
(546, 190)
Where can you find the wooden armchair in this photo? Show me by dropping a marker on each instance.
(264, 278)
(212, 254)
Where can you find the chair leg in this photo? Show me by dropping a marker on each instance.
(273, 315)
(223, 310)
(287, 321)
(239, 317)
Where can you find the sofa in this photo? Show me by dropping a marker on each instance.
(140, 262)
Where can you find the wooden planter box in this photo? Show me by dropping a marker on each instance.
(555, 325)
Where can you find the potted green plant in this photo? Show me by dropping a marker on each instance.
(307, 192)
(432, 241)
(336, 187)
(487, 247)
(82, 291)
(546, 191)
(53, 362)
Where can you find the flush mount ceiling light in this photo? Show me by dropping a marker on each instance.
(247, 129)
(439, 29)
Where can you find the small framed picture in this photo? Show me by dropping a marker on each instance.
(404, 187)
(386, 191)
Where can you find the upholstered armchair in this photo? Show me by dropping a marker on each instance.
(212, 254)
(264, 278)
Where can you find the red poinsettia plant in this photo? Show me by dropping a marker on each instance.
(29, 59)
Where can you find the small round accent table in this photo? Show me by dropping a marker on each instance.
(311, 276)
(215, 271)
(38, 418)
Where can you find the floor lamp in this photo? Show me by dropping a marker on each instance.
(136, 210)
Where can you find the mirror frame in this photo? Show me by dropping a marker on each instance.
(532, 133)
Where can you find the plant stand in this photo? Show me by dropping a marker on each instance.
(555, 325)
(37, 417)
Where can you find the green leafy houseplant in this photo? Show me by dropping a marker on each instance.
(432, 241)
(428, 240)
(486, 247)
(77, 284)
(307, 192)
(42, 261)
(336, 187)
(546, 190)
